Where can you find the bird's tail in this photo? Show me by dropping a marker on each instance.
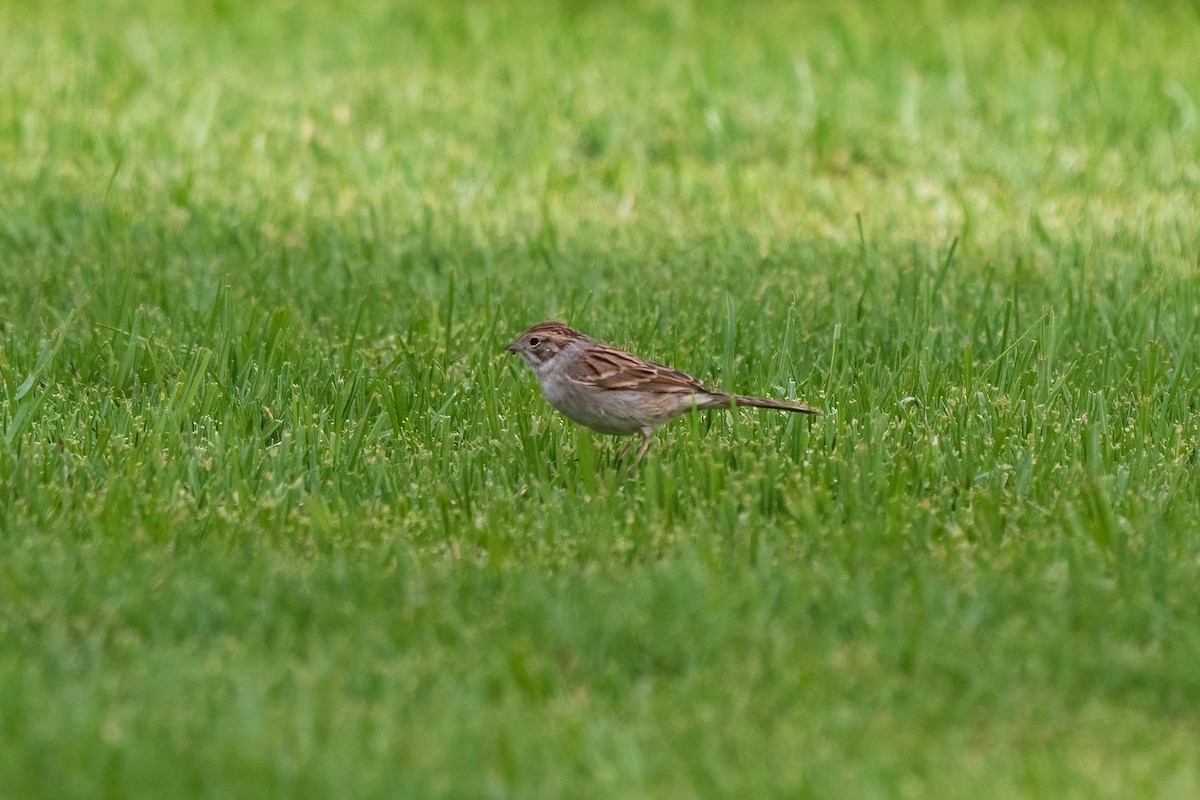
(763, 402)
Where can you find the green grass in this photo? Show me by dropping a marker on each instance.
(279, 518)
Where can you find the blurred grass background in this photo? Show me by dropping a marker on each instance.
(277, 517)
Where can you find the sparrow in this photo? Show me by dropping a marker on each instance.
(615, 392)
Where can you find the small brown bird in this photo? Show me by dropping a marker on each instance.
(614, 392)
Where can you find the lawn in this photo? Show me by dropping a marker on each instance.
(279, 517)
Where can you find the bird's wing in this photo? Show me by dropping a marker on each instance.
(609, 368)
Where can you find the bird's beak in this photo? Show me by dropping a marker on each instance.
(511, 346)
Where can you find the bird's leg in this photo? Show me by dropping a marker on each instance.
(625, 449)
(645, 444)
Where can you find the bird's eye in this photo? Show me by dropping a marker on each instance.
(534, 342)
